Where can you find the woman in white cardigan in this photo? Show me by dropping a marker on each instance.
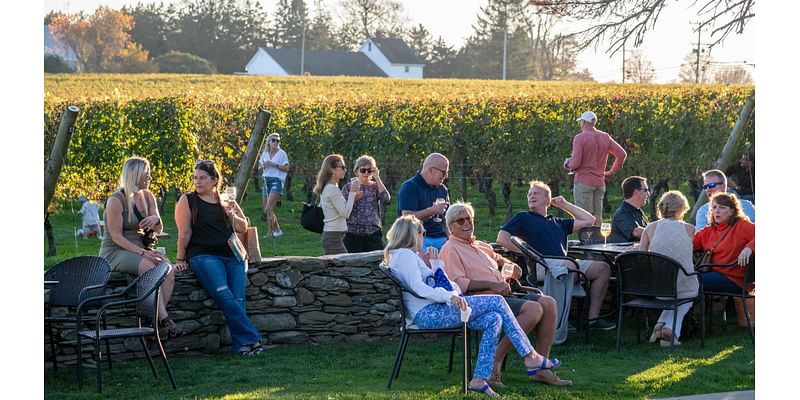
(441, 306)
(335, 207)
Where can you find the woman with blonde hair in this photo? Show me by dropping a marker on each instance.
(334, 206)
(365, 222)
(672, 237)
(440, 307)
(131, 219)
(274, 165)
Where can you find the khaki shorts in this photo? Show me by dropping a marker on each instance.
(583, 266)
(589, 198)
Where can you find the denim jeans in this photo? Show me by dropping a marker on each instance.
(224, 279)
(490, 314)
(717, 282)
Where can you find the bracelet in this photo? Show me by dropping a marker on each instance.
(180, 259)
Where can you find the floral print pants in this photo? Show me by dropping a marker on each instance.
(490, 314)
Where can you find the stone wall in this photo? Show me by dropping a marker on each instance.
(314, 300)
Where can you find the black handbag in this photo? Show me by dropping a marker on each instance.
(312, 218)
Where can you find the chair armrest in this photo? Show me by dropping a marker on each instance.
(707, 267)
(517, 286)
(87, 289)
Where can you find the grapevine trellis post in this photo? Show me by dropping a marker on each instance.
(53, 168)
(730, 146)
(251, 154)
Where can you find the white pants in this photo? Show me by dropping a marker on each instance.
(666, 319)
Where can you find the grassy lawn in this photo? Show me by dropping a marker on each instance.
(345, 371)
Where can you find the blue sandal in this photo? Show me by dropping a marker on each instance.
(485, 389)
(555, 363)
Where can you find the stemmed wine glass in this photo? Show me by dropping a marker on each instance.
(230, 193)
(438, 217)
(605, 231)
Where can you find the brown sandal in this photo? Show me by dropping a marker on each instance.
(495, 380)
(173, 330)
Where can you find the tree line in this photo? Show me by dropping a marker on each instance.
(208, 36)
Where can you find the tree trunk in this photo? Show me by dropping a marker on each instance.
(59, 153)
(506, 191)
(730, 146)
(465, 173)
(252, 152)
(485, 186)
(51, 240)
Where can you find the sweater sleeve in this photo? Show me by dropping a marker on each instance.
(343, 207)
(407, 268)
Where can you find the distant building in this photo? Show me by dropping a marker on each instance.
(377, 57)
(54, 47)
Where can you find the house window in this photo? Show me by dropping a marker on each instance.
(369, 46)
(407, 69)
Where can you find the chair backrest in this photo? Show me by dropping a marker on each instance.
(590, 235)
(750, 272)
(400, 287)
(644, 273)
(73, 275)
(532, 259)
(146, 290)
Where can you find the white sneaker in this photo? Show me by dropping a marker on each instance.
(277, 233)
(79, 232)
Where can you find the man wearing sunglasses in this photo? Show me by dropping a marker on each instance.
(475, 267)
(715, 181)
(426, 197)
(629, 220)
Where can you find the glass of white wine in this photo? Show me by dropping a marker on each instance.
(605, 231)
(508, 271)
(230, 194)
(440, 200)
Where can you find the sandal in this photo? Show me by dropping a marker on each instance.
(252, 350)
(554, 363)
(495, 380)
(656, 333)
(173, 330)
(485, 389)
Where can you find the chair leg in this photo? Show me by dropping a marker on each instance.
(99, 365)
(702, 322)
(108, 346)
(619, 326)
(452, 349)
(166, 364)
(749, 323)
(397, 359)
(674, 324)
(149, 357)
(79, 357)
(49, 328)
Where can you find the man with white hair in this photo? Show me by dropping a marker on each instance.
(590, 150)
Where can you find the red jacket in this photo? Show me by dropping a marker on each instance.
(743, 234)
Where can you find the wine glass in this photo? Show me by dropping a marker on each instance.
(569, 172)
(508, 271)
(438, 217)
(230, 193)
(605, 231)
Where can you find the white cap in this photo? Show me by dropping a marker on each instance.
(587, 116)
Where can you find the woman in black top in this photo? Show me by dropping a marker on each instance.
(204, 226)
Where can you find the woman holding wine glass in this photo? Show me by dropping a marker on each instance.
(131, 217)
(364, 226)
(335, 207)
(205, 226)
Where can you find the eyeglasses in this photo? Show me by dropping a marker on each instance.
(711, 185)
(444, 173)
(423, 233)
(461, 221)
(338, 166)
(365, 170)
(645, 189)
(275, 140)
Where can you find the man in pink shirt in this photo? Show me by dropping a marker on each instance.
(590, 150)
(475, 267)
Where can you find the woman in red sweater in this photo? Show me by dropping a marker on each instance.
(738, 244)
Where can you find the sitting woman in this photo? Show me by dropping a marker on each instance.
(131, 217)
(204, 226)
(731, 237)
(672, 237)
(440, 308)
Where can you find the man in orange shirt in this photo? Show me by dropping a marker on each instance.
(475, 267)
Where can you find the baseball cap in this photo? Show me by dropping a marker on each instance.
(587, 116)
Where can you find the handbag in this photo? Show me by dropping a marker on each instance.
(312, 218)
(237, 247)
(706, 258)
(251, 242)
(149, 238)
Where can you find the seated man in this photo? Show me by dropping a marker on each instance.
(473, 265)
(715, 181)
(548, 235)
(629, 220)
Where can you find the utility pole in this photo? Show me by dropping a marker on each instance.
(505, 37)
(697, 52)
(302, 42)
(624, 33)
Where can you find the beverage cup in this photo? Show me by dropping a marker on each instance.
(508, 270)
(466, 314)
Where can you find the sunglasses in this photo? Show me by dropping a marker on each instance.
(275, 140)
(461, 221)
(365, 170)
(711, 185)
(338, 166)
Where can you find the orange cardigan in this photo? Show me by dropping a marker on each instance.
(743, 234)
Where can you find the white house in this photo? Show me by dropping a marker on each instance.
(377, 57)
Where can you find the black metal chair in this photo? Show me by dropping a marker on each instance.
(647, 280)
(408, 330)
(147, 288)
(590, 235)
(78, 278)
(535, 260)
(749, 281)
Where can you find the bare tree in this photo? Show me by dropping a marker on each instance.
(362, 19)
(638, 69)
(690, 68)
(622, 20)
(733, 75)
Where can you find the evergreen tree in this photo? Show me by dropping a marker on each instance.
(441, 60)
(419, 40)
(320, 33)
(151, 26)
(291, 19)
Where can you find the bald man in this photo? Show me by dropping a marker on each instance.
(417, 196)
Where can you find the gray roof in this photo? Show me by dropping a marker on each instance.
(397, 51)
(325, 63)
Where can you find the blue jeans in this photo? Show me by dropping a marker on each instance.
(490, 314)
(224, 279)
(717, 282)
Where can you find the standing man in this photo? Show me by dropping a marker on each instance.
(475, 267)
(590, 150)
(418, 195)
(629, 220)
(715, 181)
(548, 235)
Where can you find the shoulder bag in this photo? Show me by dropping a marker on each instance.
(312, 217)
(706, 258)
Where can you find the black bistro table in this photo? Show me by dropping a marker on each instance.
(601, 252)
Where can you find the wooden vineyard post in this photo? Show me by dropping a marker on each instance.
(252, 152)
(59, 153)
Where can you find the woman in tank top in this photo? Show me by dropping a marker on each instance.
(672, 237)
